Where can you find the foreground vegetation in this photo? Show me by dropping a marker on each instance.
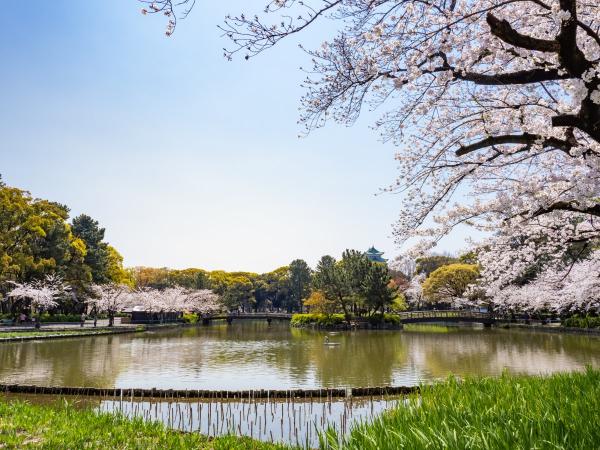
(26, 426)
(510, 412)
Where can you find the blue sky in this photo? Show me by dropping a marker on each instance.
(188, 160)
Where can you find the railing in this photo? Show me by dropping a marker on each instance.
(404, 316)
(250, 315)
(445, 314)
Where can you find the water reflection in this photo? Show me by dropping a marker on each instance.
(292, 422)
(253, 355)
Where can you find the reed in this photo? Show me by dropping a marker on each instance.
(561, 411)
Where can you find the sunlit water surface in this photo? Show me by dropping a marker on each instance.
(254, 355)
(251, 354)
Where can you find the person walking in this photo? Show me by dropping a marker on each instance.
(82, 319)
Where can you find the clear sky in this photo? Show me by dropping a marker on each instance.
(188, 160)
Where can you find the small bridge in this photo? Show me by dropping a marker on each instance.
(429, 316)
(268, 316)
(450, 315)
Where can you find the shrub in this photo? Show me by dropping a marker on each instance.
(190, 318)
(387, 318)
(317, 319)
(46, 317)
(578, 321)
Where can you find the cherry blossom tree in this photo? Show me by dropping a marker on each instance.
(414, 293)
(110, 299)
(556, 291)
(176, 299)
(203, 302)
(41, 294)
(494, 106)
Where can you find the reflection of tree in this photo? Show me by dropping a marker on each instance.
(362, 359)
(90, 361)
(251, 354)
(489, 353)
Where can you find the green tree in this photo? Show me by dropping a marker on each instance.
(449, 282)
(318, 303)
(427, 264)
(36, 240)
(272, 289)
(115, 271)
(189, 278)
(239, 294)
(332, 280)
(300, 278)
(378, 288)
(98, 254)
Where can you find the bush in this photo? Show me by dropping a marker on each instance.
(325, 320)
(190, 318)
(578, 321)
(46, 317)
(387, 318)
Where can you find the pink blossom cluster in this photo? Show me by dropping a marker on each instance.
(42, 294)
(113, 298)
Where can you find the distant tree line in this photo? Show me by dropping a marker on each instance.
(282, 289)
(66, 262)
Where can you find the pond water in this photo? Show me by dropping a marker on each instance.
(252, 354)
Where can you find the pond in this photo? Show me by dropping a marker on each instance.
(254, 355)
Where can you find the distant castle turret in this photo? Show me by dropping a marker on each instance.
(375, 255)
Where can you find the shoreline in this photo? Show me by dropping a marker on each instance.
(56, 333)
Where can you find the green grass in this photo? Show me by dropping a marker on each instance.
(510, 412)
(62, 426)
(19, 334)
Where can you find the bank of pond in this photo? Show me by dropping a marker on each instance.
(510, 411)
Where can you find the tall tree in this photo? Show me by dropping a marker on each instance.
(98, 254)
(36, 240)
(115, 271)
(331, 279)
(300, 278)
(378, 288)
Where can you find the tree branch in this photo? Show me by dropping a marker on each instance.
(525, 138)
(504, 31)
(568, 206)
